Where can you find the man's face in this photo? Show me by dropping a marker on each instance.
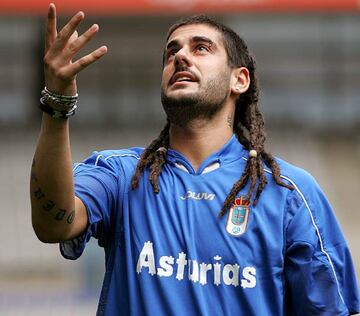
(196, 75)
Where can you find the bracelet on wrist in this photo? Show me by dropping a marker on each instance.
(57, 105)
(55, 113)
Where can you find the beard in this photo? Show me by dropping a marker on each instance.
(203, 104)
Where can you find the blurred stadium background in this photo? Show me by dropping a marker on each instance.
(308, 57)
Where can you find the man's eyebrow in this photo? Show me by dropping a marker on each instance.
(203, 39)
(172, 44)
(195, 39)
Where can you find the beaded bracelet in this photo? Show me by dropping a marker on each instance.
(57, 105)
(55, 113)
(59, 99)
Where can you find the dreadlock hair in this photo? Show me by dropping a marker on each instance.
(248, 124)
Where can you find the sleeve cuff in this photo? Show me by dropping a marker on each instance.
(73, 249)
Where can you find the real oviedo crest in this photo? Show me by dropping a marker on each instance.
(238, 217)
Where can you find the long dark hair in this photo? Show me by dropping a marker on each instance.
(248, 124)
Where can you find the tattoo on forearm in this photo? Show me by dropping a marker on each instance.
(70, 217)
(230, 121)
(50, 207)
(33, 175)
(39, 194)
(60, 214)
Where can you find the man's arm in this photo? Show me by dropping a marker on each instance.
(57, 215)
(319, 273)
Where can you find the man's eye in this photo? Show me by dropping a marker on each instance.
(202, 48)
(172, 52)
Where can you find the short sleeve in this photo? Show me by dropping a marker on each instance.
(320, 276)
(96, 185)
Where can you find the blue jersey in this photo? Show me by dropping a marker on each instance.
(170, 253)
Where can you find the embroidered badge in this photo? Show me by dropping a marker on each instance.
(238, 217)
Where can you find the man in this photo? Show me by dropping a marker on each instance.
(218, 230)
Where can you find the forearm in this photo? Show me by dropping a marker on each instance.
(57, 214)
(51, 183)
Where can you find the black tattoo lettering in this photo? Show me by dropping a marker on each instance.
(39, 194)
(60, 215)
(71, 217)
(48, 206)
(33, 176)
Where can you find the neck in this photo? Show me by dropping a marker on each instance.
(200, 138)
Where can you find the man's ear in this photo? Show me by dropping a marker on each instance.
(240, 80)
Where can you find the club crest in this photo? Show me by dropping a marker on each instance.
(238, 217)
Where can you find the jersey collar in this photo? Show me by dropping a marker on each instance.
(230, 152)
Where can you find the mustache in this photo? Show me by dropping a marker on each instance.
(180, 68)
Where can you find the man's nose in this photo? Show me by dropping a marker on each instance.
(182, 57)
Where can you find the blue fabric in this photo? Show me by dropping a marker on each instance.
(170, 254)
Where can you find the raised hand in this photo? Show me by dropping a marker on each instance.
(60, 49)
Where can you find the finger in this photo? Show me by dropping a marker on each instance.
(51, 31)
(64, 35)
(73, 37)
(75, 45)
(87, 60)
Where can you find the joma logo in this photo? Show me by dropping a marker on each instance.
(198, 196)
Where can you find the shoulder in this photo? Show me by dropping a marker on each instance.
(306, 191)
(112, 159)
(300, 178)
(119, 155)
